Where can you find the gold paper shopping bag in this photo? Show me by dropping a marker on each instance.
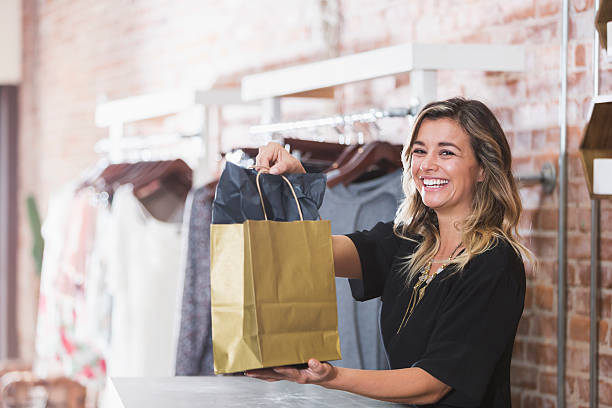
(273, 293)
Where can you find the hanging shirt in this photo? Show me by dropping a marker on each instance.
(64, 345)
(351, 208)
(194, 354)
(143, 271)
(462, 331)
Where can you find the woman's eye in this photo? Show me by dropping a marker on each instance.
(447, 153)
(418, 151)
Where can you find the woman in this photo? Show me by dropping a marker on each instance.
(449, 269)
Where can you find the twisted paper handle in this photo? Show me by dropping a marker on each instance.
(265, 170)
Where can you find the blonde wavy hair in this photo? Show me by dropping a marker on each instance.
(496, 206)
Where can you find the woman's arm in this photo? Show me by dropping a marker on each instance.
(346, 257)
(406, 385)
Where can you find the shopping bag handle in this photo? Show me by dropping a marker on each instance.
(264, 169)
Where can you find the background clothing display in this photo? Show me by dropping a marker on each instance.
(355, 207)
(474, 362)
(194, 354)
(64, 343)
(143, 274)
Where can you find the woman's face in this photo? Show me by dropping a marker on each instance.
(444, 167)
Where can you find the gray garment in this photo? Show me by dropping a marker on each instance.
(194, 350)
(357, 207)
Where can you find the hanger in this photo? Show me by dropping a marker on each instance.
(344, 157)
(173, 175)
(381, 154)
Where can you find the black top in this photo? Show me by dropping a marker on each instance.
(462, 332)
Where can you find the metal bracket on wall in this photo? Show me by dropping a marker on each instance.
(547, 177)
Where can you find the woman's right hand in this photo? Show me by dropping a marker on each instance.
(279, 160)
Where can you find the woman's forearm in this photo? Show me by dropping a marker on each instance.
(407, 386)
(346, 257)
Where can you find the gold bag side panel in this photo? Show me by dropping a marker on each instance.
(234, 325)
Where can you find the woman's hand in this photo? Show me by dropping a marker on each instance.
(316, 373)
(279, 160)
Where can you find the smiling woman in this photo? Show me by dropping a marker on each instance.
(449, 269)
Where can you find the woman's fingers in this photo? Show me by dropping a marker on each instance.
(316, 372)
(266, 374)
(275, 157)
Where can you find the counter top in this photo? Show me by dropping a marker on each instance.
(228, 392)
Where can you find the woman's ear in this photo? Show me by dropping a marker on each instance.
(481, 175)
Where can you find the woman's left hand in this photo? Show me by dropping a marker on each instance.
(316, 373)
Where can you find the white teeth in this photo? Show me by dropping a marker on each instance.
(434, 182)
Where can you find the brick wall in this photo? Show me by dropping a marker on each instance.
(81, 52)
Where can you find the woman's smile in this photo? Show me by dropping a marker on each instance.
(444, 167)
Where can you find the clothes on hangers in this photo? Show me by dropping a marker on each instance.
(194, 354)
(352, 208)
(64, 344)
(144, 263)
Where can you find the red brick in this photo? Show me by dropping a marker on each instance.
(547, 219)
(576, 82)
(518, 351)
(543, 31)
(544, 246)
(524, 377)
(580, 55)
(605, 305)
(547, 272)
(546, 8)
(528, 296)
(578, 301)
(579, 328)
(575, 170)
(524, 325)
(542, 354)
(605, 248)
(603, 331)
(605, 214)
(605, 392)
(544, 296)
(532, 401)
(578, 273)
(605, 276)
(548, 383)
(544, 326)
(579, 246)
(514, 10)
(526, 222)
(577, 359)
(581, 388)
(605, 365)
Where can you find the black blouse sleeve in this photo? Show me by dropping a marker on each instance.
(377, 249)
(477, 323)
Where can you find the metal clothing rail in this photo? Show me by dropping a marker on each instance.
(547, 177)
(593, 309)
(369, 116)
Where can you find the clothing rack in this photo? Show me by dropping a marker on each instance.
(337, 121)
(547, 177)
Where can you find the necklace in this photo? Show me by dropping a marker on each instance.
(418, 291)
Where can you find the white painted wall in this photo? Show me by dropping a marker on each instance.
(10, 42)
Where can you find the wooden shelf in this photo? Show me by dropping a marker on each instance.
(597, 139)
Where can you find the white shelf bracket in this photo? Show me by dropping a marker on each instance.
(423, 83)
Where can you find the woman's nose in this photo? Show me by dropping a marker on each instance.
(428, 162)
